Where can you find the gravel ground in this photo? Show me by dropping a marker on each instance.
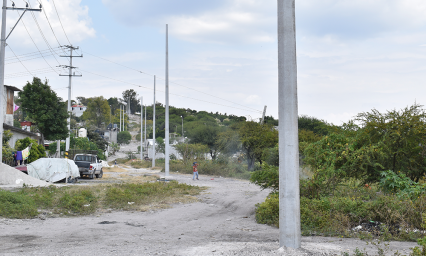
(221, 223)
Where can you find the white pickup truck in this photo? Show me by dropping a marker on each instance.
(89, 165)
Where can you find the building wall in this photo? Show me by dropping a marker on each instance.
(78, 110)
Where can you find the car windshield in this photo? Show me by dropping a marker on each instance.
(83, 158)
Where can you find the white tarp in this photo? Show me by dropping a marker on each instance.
(53, 169)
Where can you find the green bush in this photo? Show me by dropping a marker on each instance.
(124, 137)
(267, 177)
(268, 211)
(351, 205)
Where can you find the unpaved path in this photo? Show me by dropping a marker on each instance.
(221, 223)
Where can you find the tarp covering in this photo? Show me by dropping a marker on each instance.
(53, 169)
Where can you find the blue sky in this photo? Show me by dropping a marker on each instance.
(352, 55)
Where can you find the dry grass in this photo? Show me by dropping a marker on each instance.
(114, 169)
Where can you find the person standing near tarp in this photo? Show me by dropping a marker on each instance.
(19, 157)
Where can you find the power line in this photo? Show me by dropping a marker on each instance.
(36, 44)
(141, 86)
(42, 34)
(174, 82)
(60, 21)
(20, 60)
(29, 54)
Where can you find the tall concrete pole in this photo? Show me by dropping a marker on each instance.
(145, 128)
(2, 56)
(120, 118)
(67, 141)
(290, 231)
(167, 104)
(141, 128)
(153, 129)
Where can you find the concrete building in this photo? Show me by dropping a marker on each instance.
(20, 134)
(78, 110)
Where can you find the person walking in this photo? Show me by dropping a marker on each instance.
(195, 170)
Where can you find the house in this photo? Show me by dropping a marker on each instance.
(77, 110)
(9, 108)
(20, 134)
(9, 92)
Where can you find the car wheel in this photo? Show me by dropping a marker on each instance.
(100, 174)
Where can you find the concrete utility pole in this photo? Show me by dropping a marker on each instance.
(263, 116)
(145, 127)
(290, 231)
(120, 118)
(70, 75)
(141, 128)
(2, 57)
(153, 129)
(166, 173)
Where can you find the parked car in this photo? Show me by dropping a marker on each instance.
(89, 165)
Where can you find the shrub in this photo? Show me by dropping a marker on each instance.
(124, 137)
(348, 208)
(267, 177)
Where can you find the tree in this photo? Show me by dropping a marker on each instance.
(134, 102)
(94, 137)
(313, 124)
(206, 135)
(45, 108)
(83, 101)
(37, 151)
(191, 151)
(372, 143)
(97, 112)
(124, 137)
(113, 102)
(254, 139)
(160, 145)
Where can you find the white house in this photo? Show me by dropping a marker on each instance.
(77, 110)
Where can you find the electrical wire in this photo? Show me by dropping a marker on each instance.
(141, 86)
(54, 32)
(42, 34)
(29, 54)
(173, 82)
(60, 21)
(23, 23)
(20, 60)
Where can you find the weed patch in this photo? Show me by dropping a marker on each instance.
(354, 212)
(79, 200)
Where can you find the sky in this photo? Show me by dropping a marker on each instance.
(353, 56)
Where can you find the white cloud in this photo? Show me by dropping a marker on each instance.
(74, 17)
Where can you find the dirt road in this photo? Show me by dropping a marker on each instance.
(221, 223)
